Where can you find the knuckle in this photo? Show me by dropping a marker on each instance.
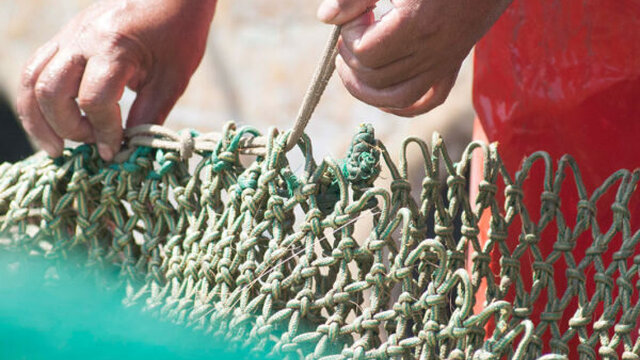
(350, 60)
(91, 102)
(117, 40)
(115, 69)
(362, 53)
(45, 90)
(367, 53)
(125, 48)
(98, 96)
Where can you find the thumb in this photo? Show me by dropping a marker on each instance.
(153, 103)
(341, 11)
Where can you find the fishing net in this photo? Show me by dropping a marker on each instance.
(219, 232)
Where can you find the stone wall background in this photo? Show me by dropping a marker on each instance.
(259, 61)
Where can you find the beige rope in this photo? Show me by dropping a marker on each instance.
(160, 137)
(314, 92)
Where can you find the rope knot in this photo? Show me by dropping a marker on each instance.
(361, 167)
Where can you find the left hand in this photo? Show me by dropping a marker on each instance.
(407, 62)
(72, 85)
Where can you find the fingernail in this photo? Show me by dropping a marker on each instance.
(328, 10)
(105, 151)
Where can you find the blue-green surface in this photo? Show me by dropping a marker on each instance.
(65, 314)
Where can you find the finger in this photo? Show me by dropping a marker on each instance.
(397, 72)
(27, 105)
(154, 101)
(397, 96)
(342, 11)
(435, 97)
(379, 43)
(56, 91)
(101, 88)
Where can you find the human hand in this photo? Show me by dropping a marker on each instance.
(406, 62)
(152, 47)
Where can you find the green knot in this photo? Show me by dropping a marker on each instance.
(165, 164)
(86, 151)
(131, 164)
(360, 168)
(224, 158)
(362, 164)
(249, 178)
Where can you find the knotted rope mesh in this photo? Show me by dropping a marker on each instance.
(268, 257)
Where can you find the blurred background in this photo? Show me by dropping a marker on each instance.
(259, 62)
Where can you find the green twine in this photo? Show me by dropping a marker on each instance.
(224, 160)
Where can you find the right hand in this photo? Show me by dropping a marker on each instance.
(152, 47)
(406, 62)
